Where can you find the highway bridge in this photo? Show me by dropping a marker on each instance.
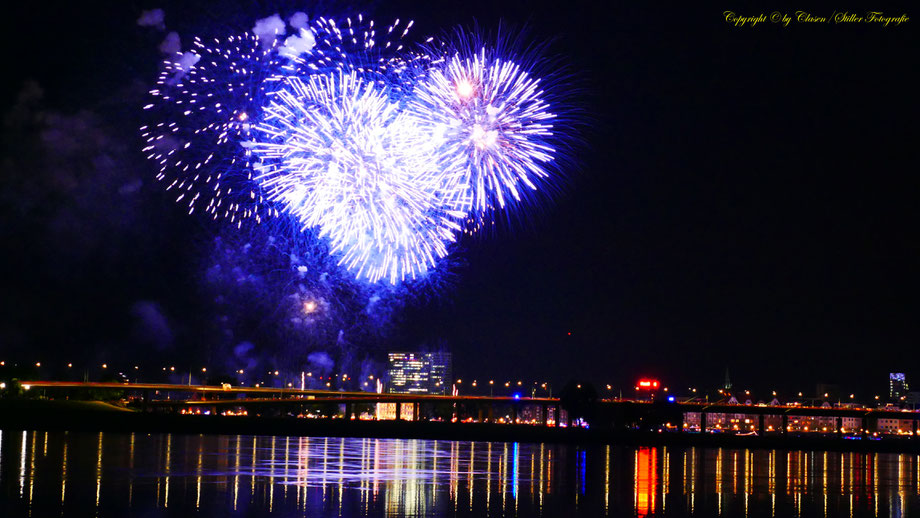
(677, 417)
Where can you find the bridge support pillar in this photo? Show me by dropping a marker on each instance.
(760, 425)
(914, 423)
(703, 417)
(865, 425)
(515, 409)
(146, 399)
(349, 410)
(839, 426)
(544, 414)
(398, 411)
(415, 411)
(785, 424)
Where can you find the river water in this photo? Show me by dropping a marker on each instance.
(60, 474)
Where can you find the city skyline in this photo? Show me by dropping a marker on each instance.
(422, 373)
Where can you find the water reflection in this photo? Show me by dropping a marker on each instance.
(75, 474)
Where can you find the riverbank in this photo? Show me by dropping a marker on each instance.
(94, 416)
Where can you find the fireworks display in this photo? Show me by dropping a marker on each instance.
(212, 92)
(356, 45)
(488, 120)
(388, 150)
(339, 155)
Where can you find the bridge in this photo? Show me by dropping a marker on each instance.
(676, 417)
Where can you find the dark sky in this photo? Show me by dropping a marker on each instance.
(743, 197)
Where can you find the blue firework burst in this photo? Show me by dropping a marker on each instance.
(336, 152)
(488, 117)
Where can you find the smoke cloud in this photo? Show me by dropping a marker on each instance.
(268, 29)
(299, 20)
(171, 45)
(321, 362)
(296, 45)
(151, 326)
(152, 18)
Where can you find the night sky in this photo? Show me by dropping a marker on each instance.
(740, 197)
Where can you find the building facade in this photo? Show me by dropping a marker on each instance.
(897, 385)
(419, 373)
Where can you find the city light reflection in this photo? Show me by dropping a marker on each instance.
(376, 477)
(645, 481)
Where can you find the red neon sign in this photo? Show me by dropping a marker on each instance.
(648, 384)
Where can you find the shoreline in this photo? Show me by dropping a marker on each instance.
(90, 416)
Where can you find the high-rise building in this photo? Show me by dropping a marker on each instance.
(897, 385)
(419, 373)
